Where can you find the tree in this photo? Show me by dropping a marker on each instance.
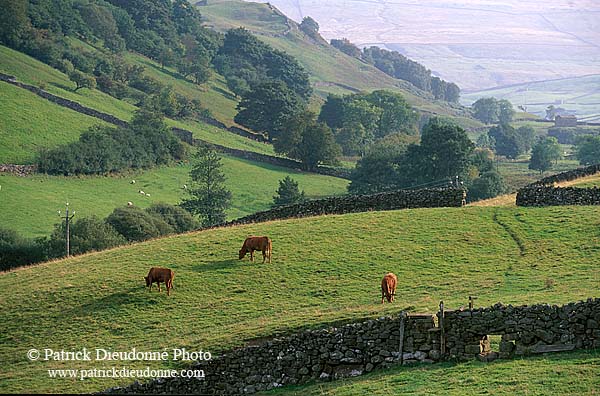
(587, 149)
(267, 107)
(486, 110)
(85, 235)
(137, 225)
(445, 150)
(209, 198)
(505, 111)
(288, 193)
(378, 170)
(543, 153)
(308, 141)
(526, 137)
(506, 141)
(309, 26)
(82, 80)
(490, 184)
(178, 218)
(13, 21)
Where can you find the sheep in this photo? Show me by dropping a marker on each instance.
(147, 195)
(141, 192)
(133, 182)
(185, 186)
(129, 203)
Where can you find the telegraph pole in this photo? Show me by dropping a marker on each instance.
(67, 220)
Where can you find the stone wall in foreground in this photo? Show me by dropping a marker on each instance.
(361, 347)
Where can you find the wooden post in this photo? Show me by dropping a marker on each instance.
(442, 331)
(401, 344)
(67, 221)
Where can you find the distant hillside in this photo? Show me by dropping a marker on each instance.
(331, 71)
(578, 95)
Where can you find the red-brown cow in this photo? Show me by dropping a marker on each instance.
(158, 274)
(388, 287)
(256, 243)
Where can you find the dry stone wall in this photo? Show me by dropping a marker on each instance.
(183, 134)
(403, 199)
(357, 348)
(543, 192)
(524, 330)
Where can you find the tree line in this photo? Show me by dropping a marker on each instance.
(398, 66)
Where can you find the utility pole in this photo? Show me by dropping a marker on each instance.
(67, 220)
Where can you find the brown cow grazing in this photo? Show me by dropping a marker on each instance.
(388, 287)
(256, 243)
(158, 274)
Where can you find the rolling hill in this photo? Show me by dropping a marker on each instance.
(98, 300)
(330, 70)
(577, 95)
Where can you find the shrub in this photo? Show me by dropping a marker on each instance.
(16, 251)
(85, 234)
(178, 218)
(136, 224)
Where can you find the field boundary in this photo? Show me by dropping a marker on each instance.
(363, 346)
(183, 134)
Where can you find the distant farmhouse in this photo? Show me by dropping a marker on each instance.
(565, 121)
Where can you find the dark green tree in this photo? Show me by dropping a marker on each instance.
(86, 234)
(505, 111)
(82, 80)
(135, 224)
(526, 138)
(587, 149)
(506, 141)
(445, 150)
(490, 184)
(544, 152)
(267, 108)
(209, 198)
(288, 193)
(178, 218)
(308, 141)
(486, 110)
(309, 26)
(13, 22)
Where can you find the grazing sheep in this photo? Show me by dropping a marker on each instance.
(133, 182)
(185, 186)
(141, 192)
(147, 195)
(129, 203)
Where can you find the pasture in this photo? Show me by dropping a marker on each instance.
(325, 269)
(29, 204)
(573, 373)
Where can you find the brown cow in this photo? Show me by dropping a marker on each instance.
(256, 243)
(158, 274)
(388, 287)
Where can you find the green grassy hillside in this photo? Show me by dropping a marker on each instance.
(324, 269)
(29, 205)
(29, 123)
(330, 70)
(33, 72)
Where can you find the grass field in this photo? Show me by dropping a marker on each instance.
(572, 373)
(517, 173)
(31, 71)
(98, 300)
(29, 123)
(29, 205)
(580, 95)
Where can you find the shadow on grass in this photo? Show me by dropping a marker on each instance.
(228, 95)
(218, 265)
(61, 86)
(134, 297)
